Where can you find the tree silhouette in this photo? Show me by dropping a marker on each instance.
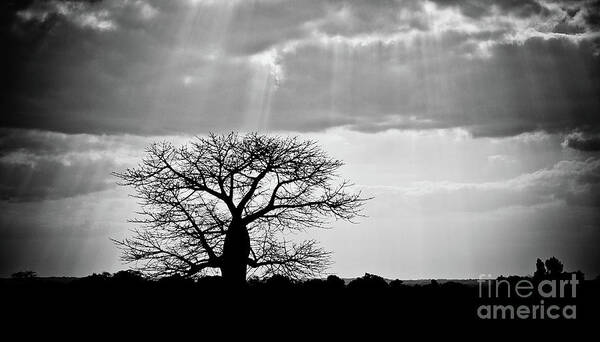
(227, 202)
(554, 267)
(540, 269)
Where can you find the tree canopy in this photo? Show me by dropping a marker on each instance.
(229, 201)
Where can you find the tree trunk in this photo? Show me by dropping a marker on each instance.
(235, 255)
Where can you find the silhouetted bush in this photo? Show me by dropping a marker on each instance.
(368, 282)
(335, 283)
(314, 284)
(96, 279)
(175, 281)
(396, 284)
(24, 275)
(278, 283)
(128, 278)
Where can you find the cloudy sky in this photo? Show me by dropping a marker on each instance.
(474, 124)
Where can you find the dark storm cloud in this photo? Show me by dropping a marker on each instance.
(479, 8)
(542, 85)
(589, 11)
(549, 85)
(583, 142)
(154, 67)
(43, 143)
(36, 178)
(36, 165)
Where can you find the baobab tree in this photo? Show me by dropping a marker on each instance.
(228, 202)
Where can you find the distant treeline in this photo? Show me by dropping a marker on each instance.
(552, 268)
(133, 279)
(370, 296)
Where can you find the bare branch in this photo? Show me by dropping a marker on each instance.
(268, 185)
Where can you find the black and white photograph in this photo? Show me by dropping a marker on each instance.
(275, 160)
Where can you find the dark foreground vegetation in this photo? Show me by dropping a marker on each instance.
(366, 299)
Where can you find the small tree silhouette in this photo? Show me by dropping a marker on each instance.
(335, 282)
(368, 282)
(24, 275)
(554, 267)
(225, 201)
(540, 269)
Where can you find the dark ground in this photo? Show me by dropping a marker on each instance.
(363, 302)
